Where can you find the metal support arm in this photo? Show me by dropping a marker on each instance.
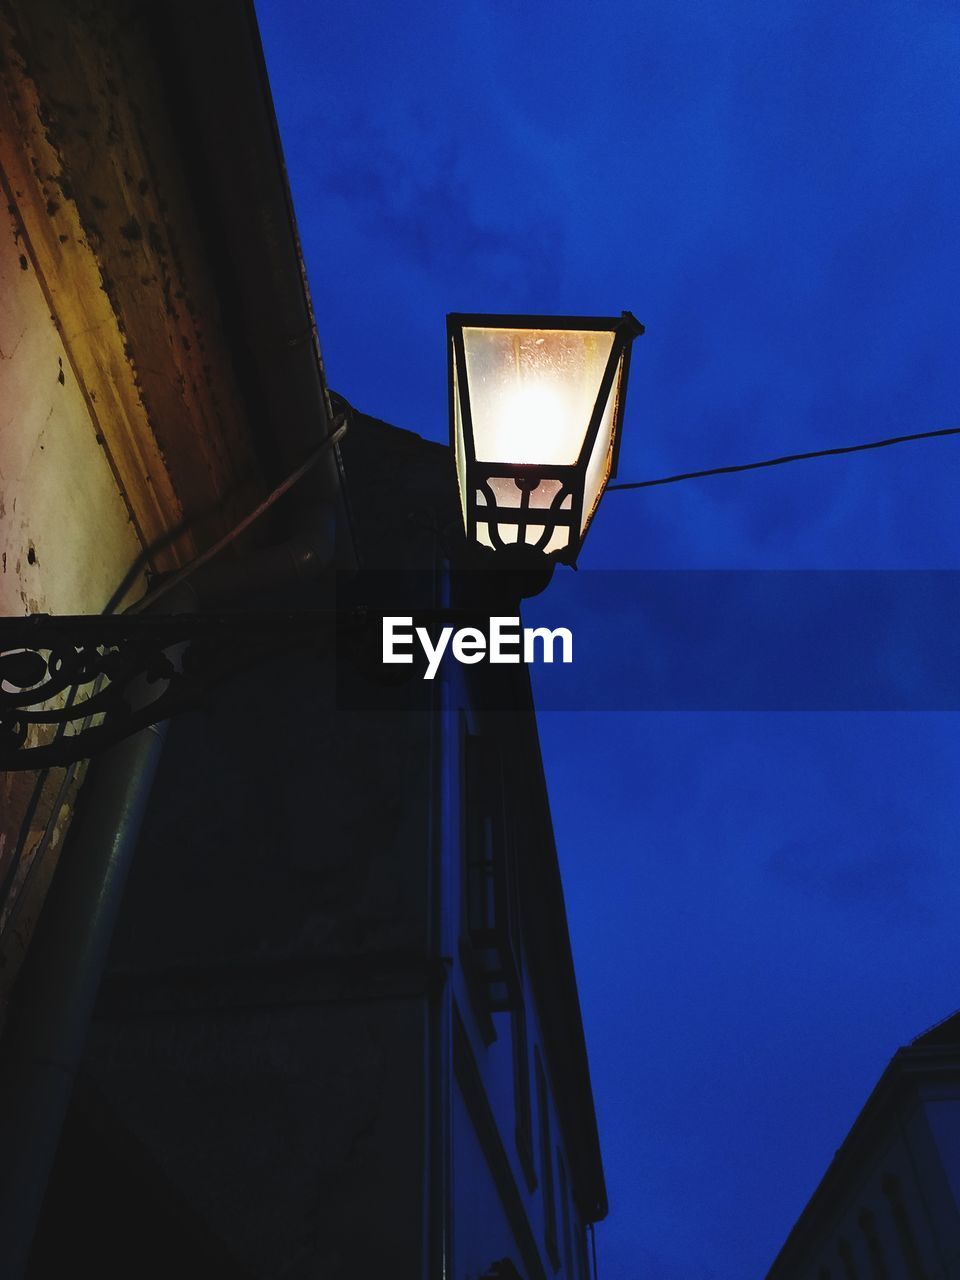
(72, 686)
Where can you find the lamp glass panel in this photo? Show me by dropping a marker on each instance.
(601, 455)
(507, 494)
(532, 391)
(458, 435)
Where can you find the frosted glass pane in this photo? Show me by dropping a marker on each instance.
(458, 445)
(601, 456)
(532, 391)
(507, 493)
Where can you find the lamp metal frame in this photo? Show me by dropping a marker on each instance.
(527, 476)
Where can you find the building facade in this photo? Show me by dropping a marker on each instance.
(337, 1032)
(888, 1207)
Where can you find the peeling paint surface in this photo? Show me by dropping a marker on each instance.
(66, 540)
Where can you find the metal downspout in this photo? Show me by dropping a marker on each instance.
(58, 987)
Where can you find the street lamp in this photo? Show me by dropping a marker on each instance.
(536, 406)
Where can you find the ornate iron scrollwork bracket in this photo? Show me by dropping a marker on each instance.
(72, 686)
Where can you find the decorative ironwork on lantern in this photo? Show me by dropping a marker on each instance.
(536, 407)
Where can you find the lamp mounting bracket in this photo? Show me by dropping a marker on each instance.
(72, 686)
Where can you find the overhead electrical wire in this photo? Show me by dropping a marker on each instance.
(788, 457)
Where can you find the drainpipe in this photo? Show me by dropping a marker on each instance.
(56, 991)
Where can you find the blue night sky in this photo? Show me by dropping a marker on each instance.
(763, 906)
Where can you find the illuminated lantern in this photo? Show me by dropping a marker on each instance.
(536, 407)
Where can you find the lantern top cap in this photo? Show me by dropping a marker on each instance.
(626, 322)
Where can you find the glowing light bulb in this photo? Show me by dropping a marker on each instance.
(531, 421)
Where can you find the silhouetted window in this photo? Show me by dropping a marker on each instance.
(546, 1163)
(565, 1217)
(868, 1226)
(582, 1259)
(521, 1092)
(845, 1250)
(490, 890)
(901, 1220)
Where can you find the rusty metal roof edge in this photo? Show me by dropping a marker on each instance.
(223, 112)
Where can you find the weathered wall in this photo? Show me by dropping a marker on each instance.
(124, 440)
(66, 540)
(97, 183)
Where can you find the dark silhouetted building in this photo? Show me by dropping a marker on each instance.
(888, 1207)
